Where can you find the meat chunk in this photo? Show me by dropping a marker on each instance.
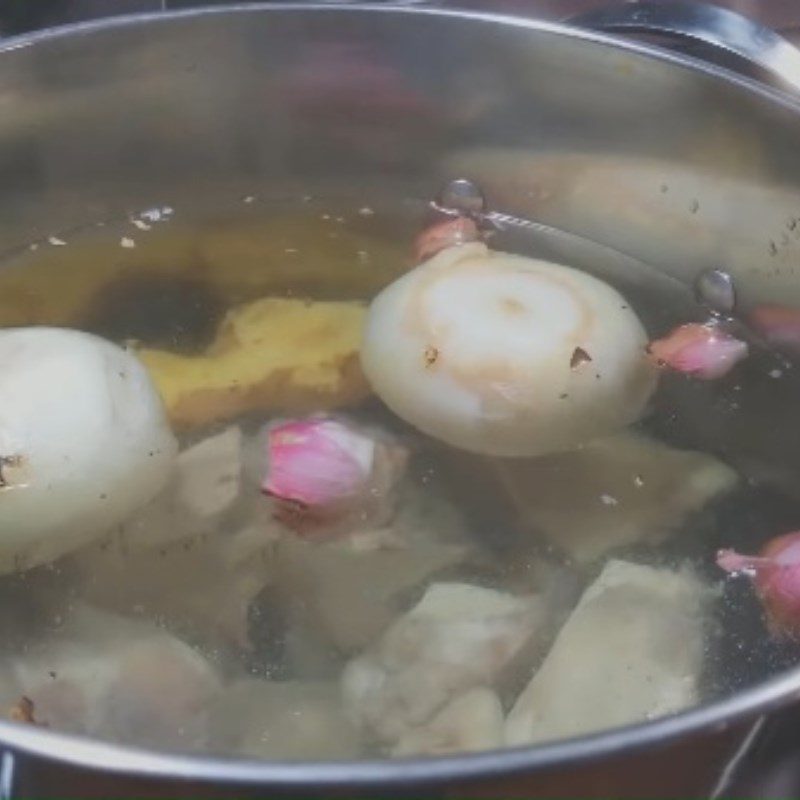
(107, 676)
(206, 486)
(203, 585)
(209, 474)
(472, 721)
(457, 637)
(188, 558)
(631, 650)
(348, 591)
(618, 491)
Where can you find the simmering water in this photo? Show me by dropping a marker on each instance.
(232, 636)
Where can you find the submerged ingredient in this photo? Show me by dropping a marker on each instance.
(505, 355)
(269, 356)
(84, 442)
(622, 490)
(341, 593)
(457, 637)
(107, 676)
(194, 558)
(632, 650)
(283, 720)
(472, 721)
(704, 351)
(327, 475)
(776, 576)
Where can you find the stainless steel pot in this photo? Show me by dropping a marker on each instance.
(99, 119)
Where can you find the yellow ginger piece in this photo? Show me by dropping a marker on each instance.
(275, 354)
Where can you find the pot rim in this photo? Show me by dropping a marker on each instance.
(716, 716)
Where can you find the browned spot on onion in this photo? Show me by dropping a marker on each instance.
(579, 356)
(512, 306)
(431, 355)
(22, 711)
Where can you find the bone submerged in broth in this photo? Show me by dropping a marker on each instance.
(314, 577)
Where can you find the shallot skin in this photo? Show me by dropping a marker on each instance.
(441, 235)
(327, 476)
(775, 573)
(504, 355)
(317, 462)
(702, 351)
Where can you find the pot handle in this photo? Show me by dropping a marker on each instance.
(712, 26)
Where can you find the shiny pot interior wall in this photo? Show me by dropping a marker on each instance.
(661, 160)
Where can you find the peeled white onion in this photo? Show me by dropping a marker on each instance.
(505, 355)
(84, 442)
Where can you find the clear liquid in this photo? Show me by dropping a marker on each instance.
(268, 645)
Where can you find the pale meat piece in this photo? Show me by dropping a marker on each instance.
(349, 590)
(472, 721)
(457, 637)
(283, 720)
(632, 650)
(207, 484)
(116, 679)
(203, 586)
(189, 558)
(349, 595)
(210, 474)
(618, 491)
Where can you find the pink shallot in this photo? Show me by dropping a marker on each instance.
(442, 235)
(776, 577)
(326, 474)
(703, 351)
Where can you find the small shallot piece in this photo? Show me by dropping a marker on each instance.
(442, 235)
(777, 325)
(326, 475)
(776, 577)
(703, 351)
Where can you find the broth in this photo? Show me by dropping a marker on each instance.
(230, 634)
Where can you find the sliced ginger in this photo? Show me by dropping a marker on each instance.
(236, 260)
(271, 355)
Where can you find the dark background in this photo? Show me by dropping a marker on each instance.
(18, 16)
